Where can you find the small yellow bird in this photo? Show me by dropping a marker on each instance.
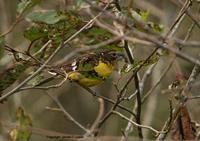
(93, 68)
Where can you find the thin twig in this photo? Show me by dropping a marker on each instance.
(68, 115)
(41, 49)
(89, 48)
(130, 96)
(128, 128)
(188, 43)
(152, 38)
(168, 123)
(146, 75)
(53, 109)
(159, 80)
(108, 100)
(176, 110)
(3, 97)
(94, 126)
(189, 14)
(46, 87)
(136, 124)
(138, 93)
(193, 97)
(18, 19)
(178, 19)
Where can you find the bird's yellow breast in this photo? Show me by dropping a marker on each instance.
(103, 69)
(83, 80)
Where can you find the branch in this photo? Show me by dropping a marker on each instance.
(108, 100)
(3, 97)
(159, 80)
(68, 115)
(138, 125)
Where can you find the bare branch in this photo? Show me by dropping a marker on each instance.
(138, 125)
(68, 115)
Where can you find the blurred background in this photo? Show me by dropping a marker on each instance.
(77, 101)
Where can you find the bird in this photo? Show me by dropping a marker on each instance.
(91, 69)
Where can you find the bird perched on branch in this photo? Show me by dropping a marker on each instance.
(91, 69)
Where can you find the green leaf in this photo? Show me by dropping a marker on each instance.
(156, 27)
(26, 5)
(10, 75)
(48, 17)
(21, 132)
(34, 33)
(22, 118)
(144, 15)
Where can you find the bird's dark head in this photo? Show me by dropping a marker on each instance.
(113, 56)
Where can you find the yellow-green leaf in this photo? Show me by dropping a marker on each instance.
(22, 132)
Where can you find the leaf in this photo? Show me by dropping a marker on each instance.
(26, 5)
(22, 118)
(144, 15)
(156, 27)
(34, 33)
(10, 75)
(22, 131)
(48, 17)
(183, 128)
(136, 15)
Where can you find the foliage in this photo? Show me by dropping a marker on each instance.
(54, 36)
(22, 132)
(48, 17)
(34, 33)
(10, 75)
